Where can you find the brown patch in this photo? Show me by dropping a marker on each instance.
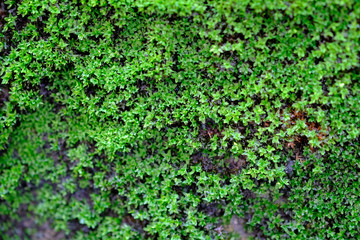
(248, 194)
(21, 228)
(205, 162)
(3, 14)
(234, 165)
(297, 115)
(228, 166)
(45, 232)
(212, 209)
(210, 132)
(266, 124)
(237, 225)
(4, 95)
(136, 224)
(299, 158)
(297, 143)
(291, 145)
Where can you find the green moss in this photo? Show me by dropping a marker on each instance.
(163, 119)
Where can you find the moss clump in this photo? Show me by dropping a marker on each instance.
(167, 119)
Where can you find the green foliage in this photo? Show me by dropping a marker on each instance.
(164, 119)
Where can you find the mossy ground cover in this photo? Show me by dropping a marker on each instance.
(170, 119)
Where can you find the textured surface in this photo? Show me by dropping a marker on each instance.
(167, 119)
